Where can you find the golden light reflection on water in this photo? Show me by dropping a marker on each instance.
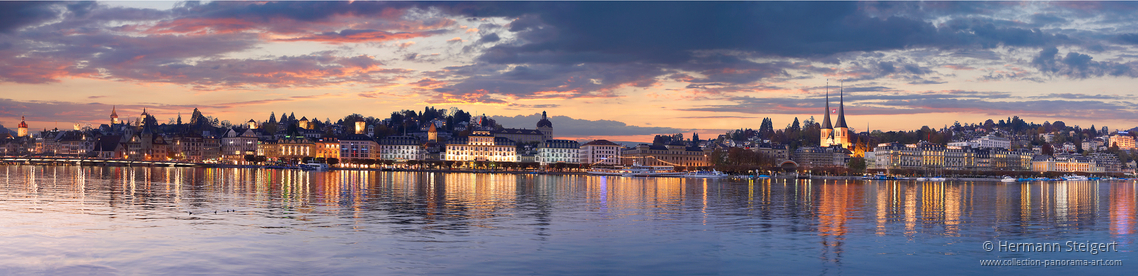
(837, 208)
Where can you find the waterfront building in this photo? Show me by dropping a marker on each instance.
(599, 152)
(211, 147)
(926, 155)
(146, 147)
(821, 157)
(1066, 163)
(1124, 142)
(268, 149)
(108, 147)
(558, 151)
(667, 155)
(238, 143)
(295, 148)
(780, 153)
(357, 146)
(401, 148)
(481, 145)
(327, 147)
(73, 143)
(189, 148)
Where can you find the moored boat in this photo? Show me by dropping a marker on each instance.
(705, 174)
(315, 167)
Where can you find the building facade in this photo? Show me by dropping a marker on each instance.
(558, 151)
(600, 152)
(1124, 142)
(357, 146)
(481, 146)
(401, 148)
(670, 155)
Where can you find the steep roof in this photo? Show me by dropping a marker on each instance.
(842, 111)
(826, 118)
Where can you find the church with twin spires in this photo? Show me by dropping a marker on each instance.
(839, 135)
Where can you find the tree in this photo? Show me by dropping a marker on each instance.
(857, 165)
(989, 124)
(332, 161)
(1047, 149)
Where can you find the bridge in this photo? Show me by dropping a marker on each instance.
(93, 161)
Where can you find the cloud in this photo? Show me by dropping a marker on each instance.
(1080, 66)
(16, 15)
(358, 36)
(564, 126)
(955, 101)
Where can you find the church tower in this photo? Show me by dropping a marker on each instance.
(827, 137)
(841, 131)
(22, 129)
(114, 117)
(433, 134)
(545, 127)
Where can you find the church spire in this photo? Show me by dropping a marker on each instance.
(826, 118)
(841, 109)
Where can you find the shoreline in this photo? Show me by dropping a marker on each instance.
(125, 163)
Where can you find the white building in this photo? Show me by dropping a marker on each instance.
(988, 141)
(558, 151)
(600, 152)
(481, 146)
(401, 148)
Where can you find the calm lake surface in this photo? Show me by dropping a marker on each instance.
(119, 220)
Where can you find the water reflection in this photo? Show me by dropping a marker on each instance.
(424, 220)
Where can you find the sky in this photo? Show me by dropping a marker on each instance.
(617, 70)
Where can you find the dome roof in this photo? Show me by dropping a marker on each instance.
(544, 122)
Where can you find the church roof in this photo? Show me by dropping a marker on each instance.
(113, 113)
(544, 122)
(842, 111)
(826, 118)
(22, 123)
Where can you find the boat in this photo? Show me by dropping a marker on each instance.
(878, 176)
(645, 171)
(705, 174)
(1075, 177)
(315, 167)
(763, 176)
(615, 171)
(636, 170)
(1007, 179)
(937, 178)
(922, 179)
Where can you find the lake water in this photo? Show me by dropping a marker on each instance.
(66, 220)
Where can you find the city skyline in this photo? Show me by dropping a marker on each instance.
(632, 70)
